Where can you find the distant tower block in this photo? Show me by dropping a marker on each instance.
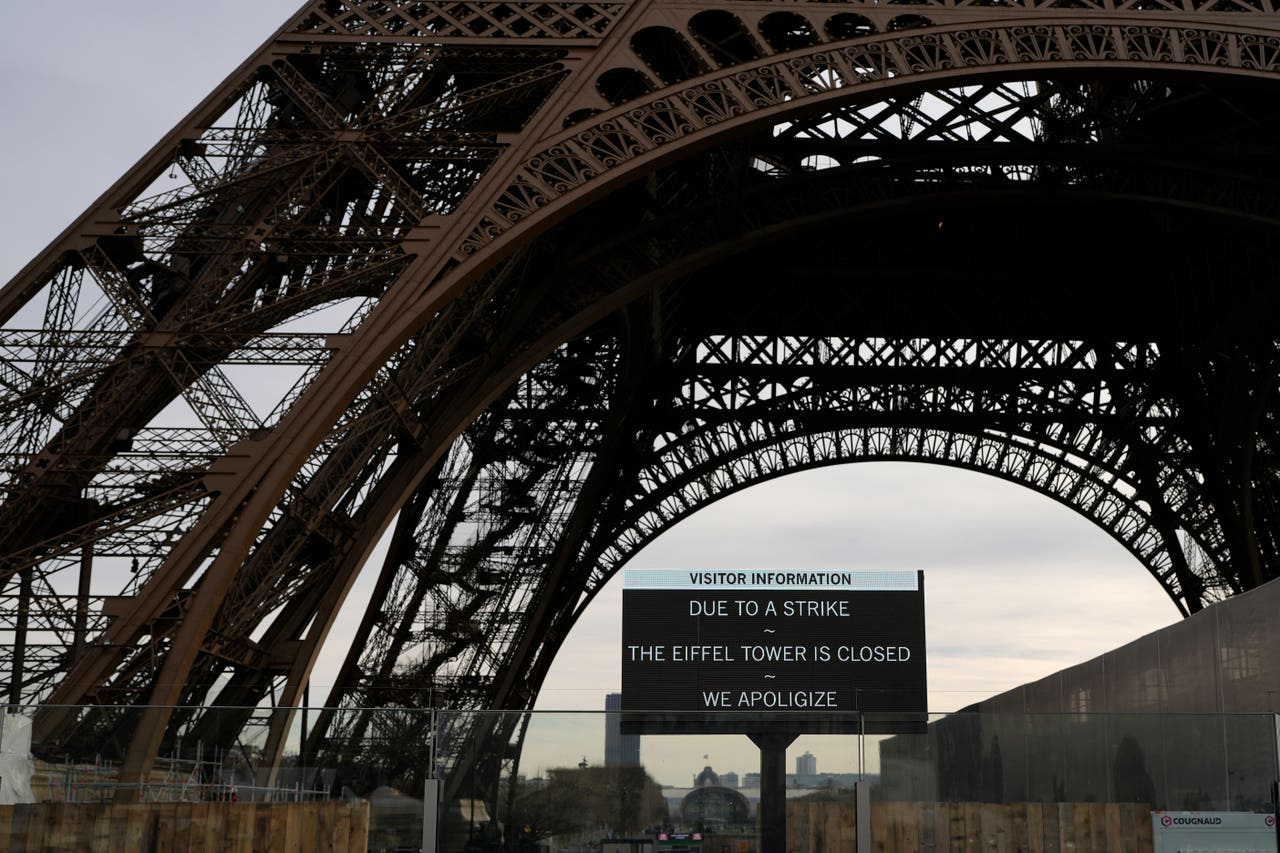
(619, 750)
(807, 764)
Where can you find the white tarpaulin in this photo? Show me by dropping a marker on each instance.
(15, 760)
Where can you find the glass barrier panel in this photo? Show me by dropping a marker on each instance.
(1052, 781)
(554, 782)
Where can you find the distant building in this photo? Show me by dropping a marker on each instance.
(712, 807)
(807, 764)
(619, 750)
(729, 779)
(822, 780)
(751, 780)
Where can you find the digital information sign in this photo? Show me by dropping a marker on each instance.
(745, 650)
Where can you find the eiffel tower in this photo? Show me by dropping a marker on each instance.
(545, 278)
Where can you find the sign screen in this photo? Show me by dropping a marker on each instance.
(725, 650)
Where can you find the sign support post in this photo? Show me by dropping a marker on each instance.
(773, 788)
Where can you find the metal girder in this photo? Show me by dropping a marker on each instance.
(525, 263)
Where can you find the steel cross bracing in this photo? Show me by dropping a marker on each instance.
(485, 250)
(757, 407)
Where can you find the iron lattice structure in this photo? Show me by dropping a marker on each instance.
(536, 280)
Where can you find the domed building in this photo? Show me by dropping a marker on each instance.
(712, 806)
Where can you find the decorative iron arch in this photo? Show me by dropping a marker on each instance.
(1078, 485)
(673, 120)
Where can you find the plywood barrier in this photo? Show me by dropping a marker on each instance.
(343, 827)
(339, 826)
(819, 827)
(830, 827)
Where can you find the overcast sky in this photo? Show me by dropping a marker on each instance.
(1017, 586)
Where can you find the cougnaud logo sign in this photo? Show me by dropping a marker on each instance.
(1193, 820)
(1233, 828)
